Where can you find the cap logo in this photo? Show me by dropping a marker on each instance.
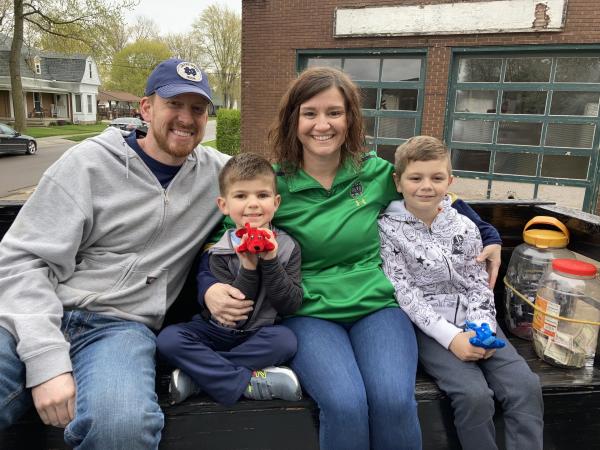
(189, 71)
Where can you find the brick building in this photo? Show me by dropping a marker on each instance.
(512, 86)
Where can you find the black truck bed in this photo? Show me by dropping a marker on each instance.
(571, 397)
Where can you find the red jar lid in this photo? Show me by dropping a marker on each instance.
(574, 267)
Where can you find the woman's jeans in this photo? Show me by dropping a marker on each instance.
(114, 370)
(362, 376)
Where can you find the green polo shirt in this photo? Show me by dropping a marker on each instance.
(337, 231)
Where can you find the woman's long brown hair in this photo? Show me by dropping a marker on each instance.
(283, 136)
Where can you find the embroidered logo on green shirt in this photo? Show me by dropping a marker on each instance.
(356, 192)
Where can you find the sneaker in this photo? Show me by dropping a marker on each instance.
(181, 387)
(274, 382)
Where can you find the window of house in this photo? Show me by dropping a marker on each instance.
(89, 103)
(78, 103)
(90, 69)
(392, 87)
(527, 119)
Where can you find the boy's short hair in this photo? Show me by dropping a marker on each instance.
(420, 148)
(244, 167)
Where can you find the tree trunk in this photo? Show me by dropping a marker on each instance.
(15, 67)
(226, 101)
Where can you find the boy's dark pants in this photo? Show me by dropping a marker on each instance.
(221, 360)
(472, 386)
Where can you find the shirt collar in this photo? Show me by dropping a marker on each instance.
(301, 181)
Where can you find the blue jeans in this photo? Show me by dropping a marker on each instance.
(362, 376)
(114, 370)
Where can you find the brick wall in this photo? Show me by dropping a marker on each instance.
(274, 29)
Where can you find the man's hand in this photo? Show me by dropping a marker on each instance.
(463, 349)
(491, 254)
(55, 400)
(227, 304)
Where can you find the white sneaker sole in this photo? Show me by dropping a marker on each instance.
(289, 372)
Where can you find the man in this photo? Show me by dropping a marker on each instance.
(93, 261)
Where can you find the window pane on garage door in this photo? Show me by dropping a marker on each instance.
(534, 114)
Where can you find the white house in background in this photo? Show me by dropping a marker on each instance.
(55, 86)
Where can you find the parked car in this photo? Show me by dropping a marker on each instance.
(11, 141)
(127, 124)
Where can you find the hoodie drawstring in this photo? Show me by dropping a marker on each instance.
(126, 159)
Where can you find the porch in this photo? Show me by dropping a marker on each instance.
(41, 108)
(35, 121)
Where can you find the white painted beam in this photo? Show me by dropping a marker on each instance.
(503, 16)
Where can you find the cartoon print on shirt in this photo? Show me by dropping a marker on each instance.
(409, 233)
(422, 261)
(457, 242)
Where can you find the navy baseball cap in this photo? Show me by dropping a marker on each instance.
(175, 76)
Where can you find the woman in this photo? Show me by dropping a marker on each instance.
(357, 353)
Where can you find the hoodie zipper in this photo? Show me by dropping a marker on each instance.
(165, 202)
(449, 278)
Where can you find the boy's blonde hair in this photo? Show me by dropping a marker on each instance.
(420, 148)
(245, 167)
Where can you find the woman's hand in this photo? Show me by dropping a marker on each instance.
(491, 254)
(227, 304)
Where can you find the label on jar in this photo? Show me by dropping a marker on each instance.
(543, 323)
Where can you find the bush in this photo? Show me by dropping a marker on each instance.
(228, 131)
(59, 123)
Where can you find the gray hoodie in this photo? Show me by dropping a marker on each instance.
(437, 280)
(100, 234)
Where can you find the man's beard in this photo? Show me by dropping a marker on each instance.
(177, 151)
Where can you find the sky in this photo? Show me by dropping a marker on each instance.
(176, 16)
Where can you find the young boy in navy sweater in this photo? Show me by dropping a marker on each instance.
(224, 358)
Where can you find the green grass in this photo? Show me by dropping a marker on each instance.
(212, 143)
(65, 130)
(80, 137)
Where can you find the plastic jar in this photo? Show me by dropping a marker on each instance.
(527, 265)
(567, 314)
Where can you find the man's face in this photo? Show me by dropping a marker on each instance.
(177, 126)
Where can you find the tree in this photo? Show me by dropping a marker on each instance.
(107, 40)
(184, 46)
(144, 28)
(220, 33)
(5, 8)
(74, 19)
(132, 65)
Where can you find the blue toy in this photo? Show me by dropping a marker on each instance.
(484, 337)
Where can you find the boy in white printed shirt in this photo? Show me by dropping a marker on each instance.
(428, 252)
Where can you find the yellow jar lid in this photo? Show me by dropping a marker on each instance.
(545, 238)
